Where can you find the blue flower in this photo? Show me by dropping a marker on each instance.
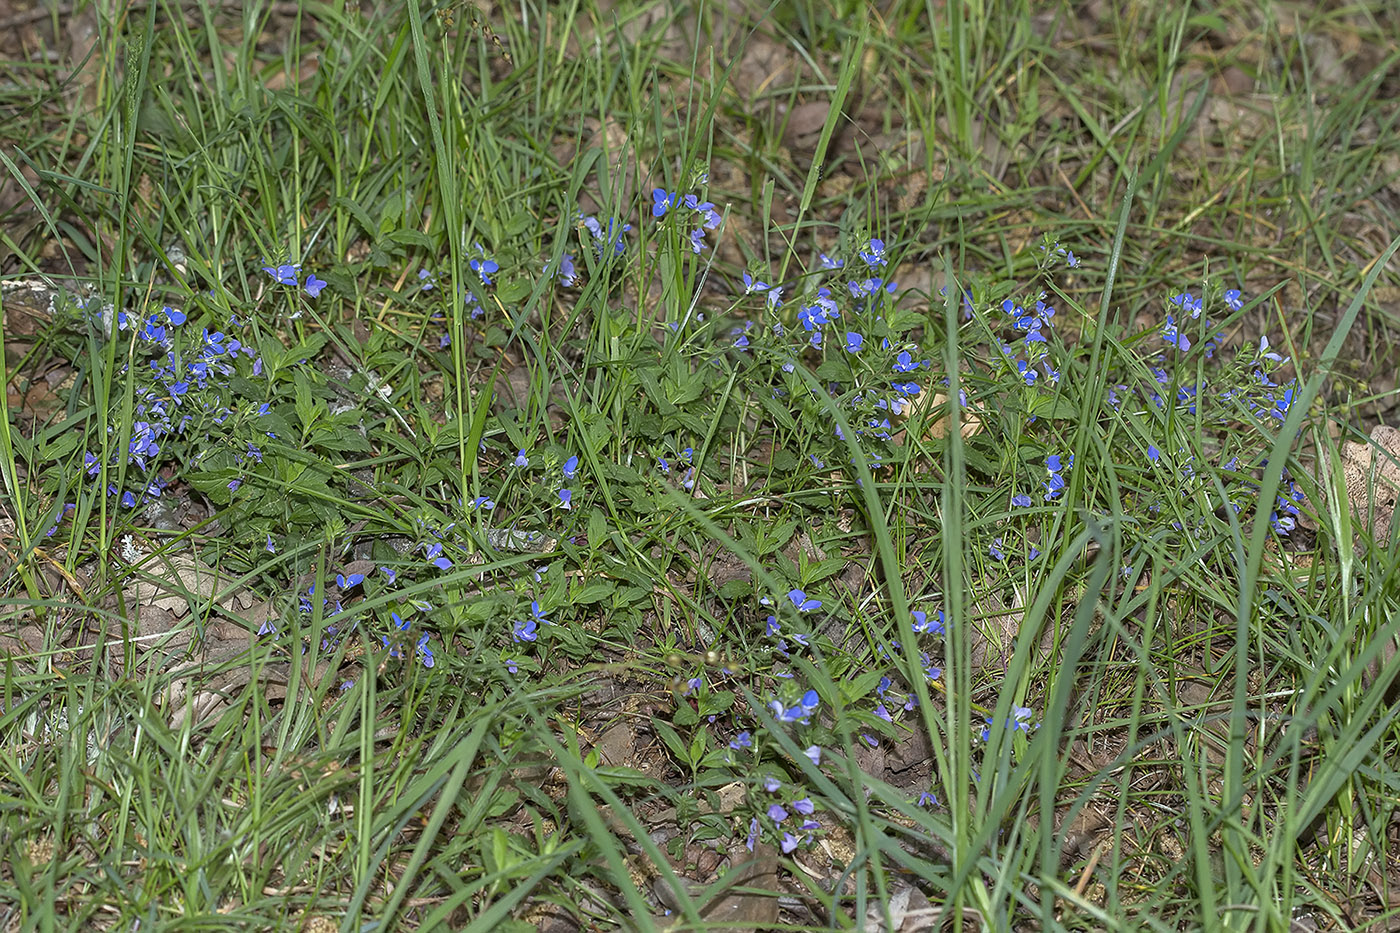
(1185, 302)
(995, 550)
(1021, 500)
(799, 713)
(1020, 718)
(705, 208)
(740, 741)
(484, 267)
(828, 263)
(752, 285)
(921, 623)
(427, 281)
(537, 614)
(802, 602)
(777, 813)
(521, 460)
(483, 502)
(424, 652)
(314, 285)
(875, 254)
(753, 834)
(567, 272)
(854, 342)
(814, 754)
(350, 582)
(524, 630)
(1233, 299)
(570, 467)
(697, 241)
(1281, 405)
(1172, 335)
(285, 274)
(662, 201)
(434, 554)
(566, 497)
(904, 363)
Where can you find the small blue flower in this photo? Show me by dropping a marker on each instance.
(1185, 302)
(753, 834)
(350, 582)
(568, 272)
(905, 363)
(814, 754)
(741, 741)
(802, 602)
(772, 784)
(521, 460)
(314, 285)
(483, 502)
(875, 254)
(777, 813)
(828, 263)
(285, 274)
(538, 614)
(524, 630)
(662, 201)
(484, 267)
(434, 554)
(789, 843)
(427, 281)
(424, 652)
(854, 342)
(566, 497)
(752, 285)
(697, 241)
(1172, 335)
(1233, 299)
(995, 550)
(271, 548)
(1021, 500)
(921, 622)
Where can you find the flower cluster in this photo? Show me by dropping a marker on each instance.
(688, 210)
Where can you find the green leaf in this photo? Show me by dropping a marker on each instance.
(670, 738)
(1053, 408)
(594, 592)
